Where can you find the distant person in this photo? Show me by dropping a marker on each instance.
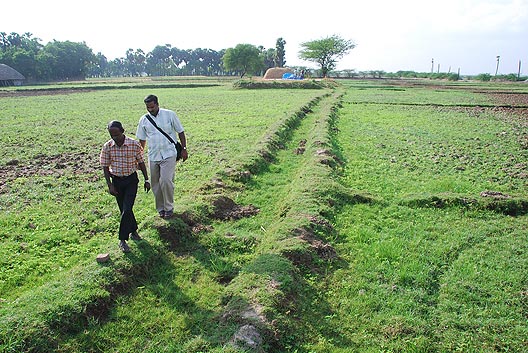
(120, 158)
(162, 151)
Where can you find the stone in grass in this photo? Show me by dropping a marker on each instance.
(101, 258)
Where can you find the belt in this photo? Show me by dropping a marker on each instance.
(122, 177)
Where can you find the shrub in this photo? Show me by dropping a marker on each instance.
(483, 77)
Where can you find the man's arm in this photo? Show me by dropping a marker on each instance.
(142, 143)
(143, 169)
(111, 188)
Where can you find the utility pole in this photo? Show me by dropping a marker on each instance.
(519, 72)
(497, 69)
(432, 65)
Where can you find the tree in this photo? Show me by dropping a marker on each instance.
(65, 60)
(159, 61)
(326, 51)
(279, 59)
(268, 57)
(243, 58)
(19, 52)
(135, 62)
(100, 67)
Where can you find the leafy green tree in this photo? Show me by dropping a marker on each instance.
(116, 68)
(243, 59)
(181, 58)
(268, 57)
(159, 61)
(326, 52)
(135, 62)
(19, 52)
(65, 60)
(100, 67)
(200, 61)
(212, 62)
(280, 53)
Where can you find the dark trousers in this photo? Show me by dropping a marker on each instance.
(127, 189)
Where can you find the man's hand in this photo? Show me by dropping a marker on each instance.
(147, 186)
(184, 155)
(112, 190)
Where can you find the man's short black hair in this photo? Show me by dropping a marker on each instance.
(115, 123)
(150, 98)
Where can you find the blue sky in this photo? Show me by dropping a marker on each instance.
(390, 35)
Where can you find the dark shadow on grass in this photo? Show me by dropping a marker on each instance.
(181, 241)
(507, 205)
(158, 277)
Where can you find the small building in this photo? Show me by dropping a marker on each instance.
(10, 76)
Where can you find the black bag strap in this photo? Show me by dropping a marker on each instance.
(176, 144)
(159, 129)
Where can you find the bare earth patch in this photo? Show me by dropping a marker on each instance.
(323, 249)
(42, 92)
(513, 99)
(80, 163)
(227, 209)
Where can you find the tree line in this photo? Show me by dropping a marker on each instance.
(68, 60)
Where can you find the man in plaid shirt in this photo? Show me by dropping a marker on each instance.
(120, 158)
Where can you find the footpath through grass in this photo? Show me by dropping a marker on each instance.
(234, 285)
(56, 215)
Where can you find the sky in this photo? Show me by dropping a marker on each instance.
(390, 35)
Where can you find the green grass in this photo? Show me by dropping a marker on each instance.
(397, 150)
(57, 217)
(371, 233)
(42, 229)
(425, 280)
(243, 254)
(440, 279)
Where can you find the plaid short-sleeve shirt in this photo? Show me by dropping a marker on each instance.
(122, 160)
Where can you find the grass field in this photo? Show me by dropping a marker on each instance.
(370, 217)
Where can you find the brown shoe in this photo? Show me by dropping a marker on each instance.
(135, 236)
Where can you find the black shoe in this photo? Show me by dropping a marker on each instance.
(124, 246)
(162, 214)
(135, 236)
(168, 214)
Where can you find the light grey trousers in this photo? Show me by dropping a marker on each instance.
(162, 183)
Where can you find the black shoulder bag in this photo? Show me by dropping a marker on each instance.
(176, 144)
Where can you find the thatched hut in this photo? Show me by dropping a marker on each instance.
(10, 76)
(275, 73)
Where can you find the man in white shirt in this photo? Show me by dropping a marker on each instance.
(161, 152)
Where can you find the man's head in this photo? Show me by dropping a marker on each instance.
(151, 102)
(116, 130)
